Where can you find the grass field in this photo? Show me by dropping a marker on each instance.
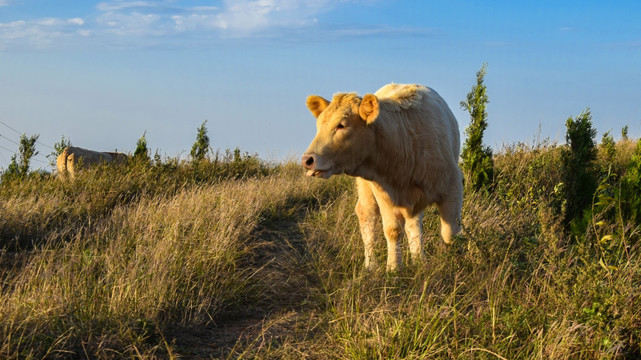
(240, 259)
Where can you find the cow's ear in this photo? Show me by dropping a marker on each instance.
(369, 108)
(316, 104)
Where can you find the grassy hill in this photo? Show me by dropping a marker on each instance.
(238, 258)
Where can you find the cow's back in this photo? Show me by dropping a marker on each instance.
(422, 128)
(117, 157)
(89, 157)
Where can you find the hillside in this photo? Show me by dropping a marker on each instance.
(239, 258)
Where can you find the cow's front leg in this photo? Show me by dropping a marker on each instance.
(368, 216)
(414, 232)
(393, 229)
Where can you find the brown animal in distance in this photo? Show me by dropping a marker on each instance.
(74, 158)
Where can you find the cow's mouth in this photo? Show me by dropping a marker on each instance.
(324, 174)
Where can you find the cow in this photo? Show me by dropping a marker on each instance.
(74, 158)
(402, 145)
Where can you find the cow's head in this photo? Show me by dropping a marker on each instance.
(344, 135)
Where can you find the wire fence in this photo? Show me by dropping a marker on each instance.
(39, 158)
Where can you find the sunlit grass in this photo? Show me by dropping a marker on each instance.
(149, 261)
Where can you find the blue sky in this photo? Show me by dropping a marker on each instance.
(104, 72)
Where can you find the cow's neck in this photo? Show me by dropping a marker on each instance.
(393, 163)
(389, 164)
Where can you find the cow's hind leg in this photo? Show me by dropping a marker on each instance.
(368, 216)
(414, 231)
(450, 212)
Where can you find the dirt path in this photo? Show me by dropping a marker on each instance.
(281, 262)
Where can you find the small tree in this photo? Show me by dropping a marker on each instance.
(578, 165)
(58, 148)
(201, 147)
(624, 133)
(478, 166)
(19, 168)
(142, 153)
(608, 146)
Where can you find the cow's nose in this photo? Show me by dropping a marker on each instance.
(307, 161)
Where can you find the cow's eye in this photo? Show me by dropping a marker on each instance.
(341, 126)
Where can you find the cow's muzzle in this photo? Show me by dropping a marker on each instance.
(309, 162)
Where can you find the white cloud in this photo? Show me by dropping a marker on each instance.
(12, 24)
(32, 34)
(76, 21)
(132, 24)
(39, 33)
(246, 17)
(121, 5)
(205, 8)
(136, 19)
(48, 22)
(168, 22)
(234, 18)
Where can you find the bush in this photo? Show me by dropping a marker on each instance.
(58, 148)
(579, 173)
(478, 166)
(201, 147)
(19, 168)
(608, 147)
(142, 152)
(529, 176)
(624, 133)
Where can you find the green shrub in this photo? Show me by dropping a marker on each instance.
(624, 133)
(141, 153)
(19, 167)
(608, 147)
(58, 148)
(529, 176)
(201, 147)
(478, 166)
(579, 173)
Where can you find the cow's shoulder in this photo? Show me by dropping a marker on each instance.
(403, 95)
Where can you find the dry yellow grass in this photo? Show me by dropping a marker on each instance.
(165, 258)
(156, 263)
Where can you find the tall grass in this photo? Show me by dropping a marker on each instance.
(38, 204)
(109, 282)
(161, 261)
(516, 286)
